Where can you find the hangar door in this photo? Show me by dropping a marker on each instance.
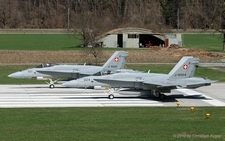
(120, 40)
(148, 40)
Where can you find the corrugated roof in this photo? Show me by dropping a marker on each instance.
(132, 30)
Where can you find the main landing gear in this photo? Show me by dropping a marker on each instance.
(158, 94)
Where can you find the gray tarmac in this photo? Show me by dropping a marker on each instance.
(29, 96)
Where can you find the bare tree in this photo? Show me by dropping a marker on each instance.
(89, 25)
(206, 15)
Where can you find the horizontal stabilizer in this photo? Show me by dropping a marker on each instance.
(200, 84)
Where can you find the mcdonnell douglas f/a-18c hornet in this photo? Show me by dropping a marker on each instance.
(48, 71)
(181, 76)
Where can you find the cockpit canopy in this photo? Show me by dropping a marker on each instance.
(45, 65)
(125, 71)
(121, 71)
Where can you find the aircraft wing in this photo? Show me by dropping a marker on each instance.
(156, 83)
(125, 82)
(63, 72)
(116, 80)
(161, 84)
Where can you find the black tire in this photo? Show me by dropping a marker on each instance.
(111, 96)
(161, 96)
(51, 86)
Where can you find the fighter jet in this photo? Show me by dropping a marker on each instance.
(49, 71)
(181, 76)
(89, 82)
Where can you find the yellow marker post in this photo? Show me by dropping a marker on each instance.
(178, 103)
(192, 108)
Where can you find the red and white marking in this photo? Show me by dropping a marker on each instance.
(116, 59)
(185, 67)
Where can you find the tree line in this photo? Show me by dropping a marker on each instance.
(157, 14)
(91, 18)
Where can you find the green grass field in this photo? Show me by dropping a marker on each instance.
(39, 42)
(109, 124)
(69, 42)
(210, 42)
(6, 70)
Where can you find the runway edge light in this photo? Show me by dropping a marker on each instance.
(178, 103)
(192, 108)
(207, 115)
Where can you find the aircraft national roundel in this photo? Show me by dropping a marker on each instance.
(116, 59)
(185, 66)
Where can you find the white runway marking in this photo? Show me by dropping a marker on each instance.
(15, 96)
(207, 99)
(19, 96)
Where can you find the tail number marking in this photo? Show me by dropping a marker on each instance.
(180, 74)
(112, 66)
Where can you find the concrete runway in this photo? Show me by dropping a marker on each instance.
(19, 96)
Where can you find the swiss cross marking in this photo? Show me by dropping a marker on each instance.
(185, 67)
(116, 59)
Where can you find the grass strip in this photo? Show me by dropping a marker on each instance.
(39, 42)
(210, 42)
(115, 123)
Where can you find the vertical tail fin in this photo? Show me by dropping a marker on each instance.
(185, 68)
(116, 61)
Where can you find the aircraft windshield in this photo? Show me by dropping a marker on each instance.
(46, 65)
(120, 71)
(125, 71)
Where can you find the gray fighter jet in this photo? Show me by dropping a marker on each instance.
(49, 71)
(89, 82)
(181, 76)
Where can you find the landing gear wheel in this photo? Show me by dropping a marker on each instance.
(51, 86)
(161, 96)
(111, 96)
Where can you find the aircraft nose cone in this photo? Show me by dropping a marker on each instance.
(69, 84)
(16, 75)
(66, 84)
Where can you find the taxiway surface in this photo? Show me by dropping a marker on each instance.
(19, 96)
